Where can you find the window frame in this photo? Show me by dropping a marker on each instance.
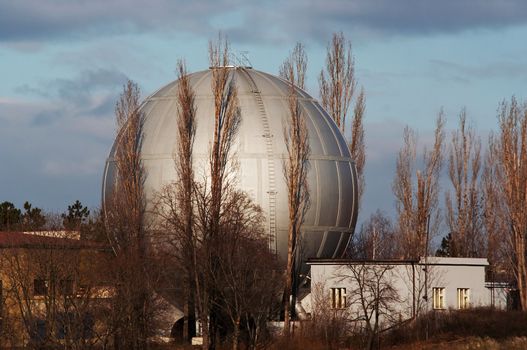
(338, 298)
(1, 303)
(40, 287)
(463, 298)
(438, 298)
(66, 287)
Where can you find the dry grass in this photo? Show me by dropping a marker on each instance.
(475, 329)
(513, 343)
(481, 329)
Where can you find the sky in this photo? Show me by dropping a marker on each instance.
(63, 64)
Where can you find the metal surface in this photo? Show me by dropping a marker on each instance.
(260, 150)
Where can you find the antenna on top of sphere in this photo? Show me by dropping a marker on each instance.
(241, 59)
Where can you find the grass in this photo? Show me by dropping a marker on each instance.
(481, 328)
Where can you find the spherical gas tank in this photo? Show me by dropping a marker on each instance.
(260, 150)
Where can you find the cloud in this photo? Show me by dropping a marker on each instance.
(77, 90)
(84, 166)
(46, 117)
(80, 89)
(91, 94)
(299, 19)
(8, 100)
(268, 21)
(52, 153)
(383, 140)
(37, 19)
(464, 72)
(17, 112)
(55, 146)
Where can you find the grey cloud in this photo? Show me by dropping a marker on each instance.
(36, 19)
(270, 21)
(18, 113)
(91, 94)
(501, 69)
(50, 166)
(26, 89)
(78, 90)
(47, 117)
(318, 19)
(105, 107)
(415, 16)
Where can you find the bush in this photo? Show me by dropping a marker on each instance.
(478, 323)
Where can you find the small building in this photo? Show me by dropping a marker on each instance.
(399, 290)
(53, 290)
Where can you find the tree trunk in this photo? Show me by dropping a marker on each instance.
(289, 282)
(236, 334)
(191, 311)
(522, 271)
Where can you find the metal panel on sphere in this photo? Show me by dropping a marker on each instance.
(260, 150)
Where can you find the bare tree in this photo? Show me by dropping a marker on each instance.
(337, 87)
(296, 167)
(337, 83)
(174, 208)
(227, 118)
(375, 239)
(507, 157)
(327, 323)
(184, 168)
(464, 216)
(296, 62)
(126, 207)
(125, 222)
(417, 201)
(245, 279)
(494, 207)
(372, 296)
(51, 296)
(357, 147)
(213, 228)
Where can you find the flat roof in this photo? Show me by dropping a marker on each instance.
(431, 260)
(14, 239)
(436, 260)
(320, 261)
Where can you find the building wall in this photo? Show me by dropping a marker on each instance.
(23, 308)
(407, 288)
(402, 298)
(456, 273)
(499, 294)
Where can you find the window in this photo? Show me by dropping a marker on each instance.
(463, 298)
(69, 324)
(338, 298)
(38, 331)
(40, 287)
(66, 287)
(438, 301)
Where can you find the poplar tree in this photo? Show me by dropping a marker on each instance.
(296, 167)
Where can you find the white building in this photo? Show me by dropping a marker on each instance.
(400, 289)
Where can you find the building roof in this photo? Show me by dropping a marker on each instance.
(25, 240)
(435, 260)
(431, 260)
(316, 261)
